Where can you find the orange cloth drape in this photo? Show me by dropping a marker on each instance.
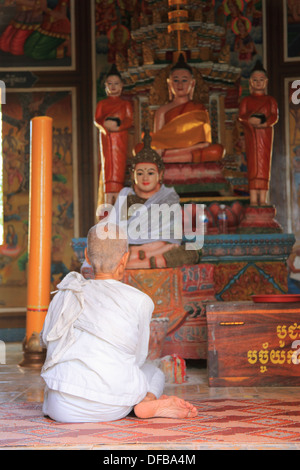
(183, 131)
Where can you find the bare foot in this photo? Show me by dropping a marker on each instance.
(165, 407)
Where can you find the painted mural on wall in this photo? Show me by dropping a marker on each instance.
(292, 30)
(21, 106)
(35, 34)
(293, 152)
(243, 22)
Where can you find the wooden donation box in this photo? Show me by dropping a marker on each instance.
(253, 344)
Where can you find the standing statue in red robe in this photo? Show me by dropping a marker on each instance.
(258, 114)
(113, 117)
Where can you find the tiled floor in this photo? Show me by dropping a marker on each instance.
(20, 384)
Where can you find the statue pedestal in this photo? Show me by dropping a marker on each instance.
(248, 264)
(197, 178)
(259, 219)
(242, 265)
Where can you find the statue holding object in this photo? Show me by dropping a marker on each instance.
(113, 118)
(258, 114)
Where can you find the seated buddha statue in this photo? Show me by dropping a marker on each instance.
(153, 243)
(182, 130)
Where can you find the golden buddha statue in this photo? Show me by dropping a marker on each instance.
(182, 130)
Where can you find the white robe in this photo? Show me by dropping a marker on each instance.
(96, 333)
(140, 228)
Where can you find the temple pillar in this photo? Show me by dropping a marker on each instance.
(39, 246)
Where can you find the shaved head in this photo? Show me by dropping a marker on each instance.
(106, 245)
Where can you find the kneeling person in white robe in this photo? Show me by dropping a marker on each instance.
(96, 333)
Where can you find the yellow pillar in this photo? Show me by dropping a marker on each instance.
(39, 245)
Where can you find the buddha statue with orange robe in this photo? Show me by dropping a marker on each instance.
(113, 118)
(182, 130)
(258, 114)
